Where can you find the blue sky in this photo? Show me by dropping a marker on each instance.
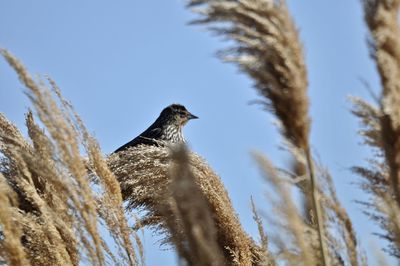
(121, 62)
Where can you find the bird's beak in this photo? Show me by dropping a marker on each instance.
(192, 116)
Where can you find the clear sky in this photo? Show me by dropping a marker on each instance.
(121, 62)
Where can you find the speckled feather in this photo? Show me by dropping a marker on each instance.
(167, 128)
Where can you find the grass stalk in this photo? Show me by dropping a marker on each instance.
(317, 208)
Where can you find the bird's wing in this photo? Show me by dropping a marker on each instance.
(145, 138)
(153, 133)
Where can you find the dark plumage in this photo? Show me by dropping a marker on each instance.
(167, 127)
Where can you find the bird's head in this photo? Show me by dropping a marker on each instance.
(177, 114)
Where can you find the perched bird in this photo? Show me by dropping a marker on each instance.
(167, 127)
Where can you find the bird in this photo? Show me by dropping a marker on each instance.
(166, 129)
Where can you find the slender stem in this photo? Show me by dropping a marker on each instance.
(129, 257)
(317, 207)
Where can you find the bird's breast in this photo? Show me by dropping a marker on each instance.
(172, 134)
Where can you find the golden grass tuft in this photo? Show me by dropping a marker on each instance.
(156, 180)
(382, 19)
(382, 208)
(381, 125)
(54, 200)
(11, 250)
(188, 214)
(56, 211)
(267, 48)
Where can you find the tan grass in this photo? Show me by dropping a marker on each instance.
(146, 181)
(298, 249)
(267, 48)
(50, 209)
(382, 19)
(381, 125)
(294, 236)
(188, 215)
(376, 178)
(10, 249)
(265, 258)
(344, 245)
(42, 229)
(56, 208)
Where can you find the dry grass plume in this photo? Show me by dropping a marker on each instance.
(376, 180)
(381, 125)
(382, 19)
(57, 190)
(267, 48)
(156, 180)
(55, 210)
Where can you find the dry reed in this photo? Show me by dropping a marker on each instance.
(382, 19)
(381, 126)
(295, 236)
(265, 258)
(148, 183)
(50, 210)
(191, 224)
(376, 178)
(267, 48)
(55, 209)
(294, 240)
(10, 249)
